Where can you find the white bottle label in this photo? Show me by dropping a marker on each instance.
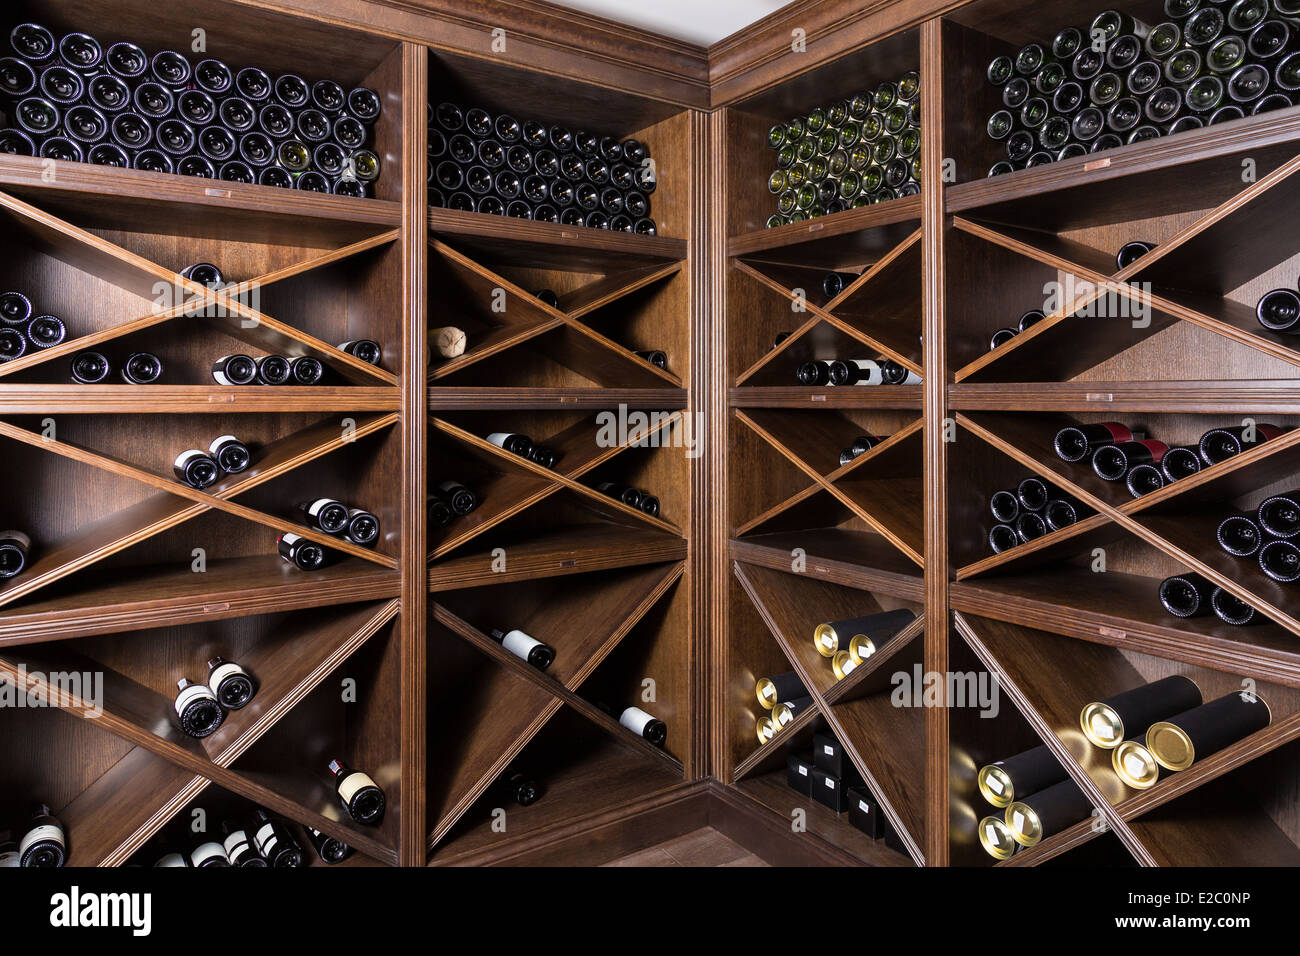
(185, 457)
(207, 852)
(266, 838)
(912, 379)
(35, 835)
(290, 538)
(828, 783)
(20, 539)
(234, 841)
(635, 719)
(872, 368)
(221, 672)
(499, 438)
(320, 504)
(218, 442)
(8, 858)
(171, 859)
(353, 784)
(189, 695)
(519, 644)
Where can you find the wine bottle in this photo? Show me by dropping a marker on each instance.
(814, 373)
(449, 341)
(198, 712)
(1131, 252)
(856, 372)
(895, 374)
(517, 444)
(1061, 511)
(525, 647)
(780, 337)
(273, 370)
(44, 842)
(204, 274)
(1112, 462)
(169, 860)
(325, 514)
(1180, 462)
(45, 331)
(14, 550)
(1144, 479)
(1231, 609)
(518, 786)
(367, 350)
(305, 370)
(625, 493)
(142, 368)
(547, 297)
(330, 849)
(1004, 506)
(1077, 442)
(1180, 740)
(641, 723)
(655, 357)
(544, 455)
(458, 497)
(1031, 494)
(276, 843)
(1186, 595)
(1030, 525)
(231, 454)
(1220, 444)
(1279, 311)
(1280, 560)
(1003, 537)
(833, 636)
(1108, 722)
(362, 528)
(302, 553)
(208, 854)
(1004, 782)
(1279, 515)
(836, 282)
(360, 795)
(1047, 812)
(240, 849)
(649, 504)
(230, 683)
(1030, 319)
(234, 370)
(89, 368)
(1240, 535)
(196, 468)
(15, 308)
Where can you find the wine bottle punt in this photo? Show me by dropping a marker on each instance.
(45, 331)
(459, 497)
(519, 786)
(196, 468)
(198, 712)
(1131, 252)
(625, 493)
(15, 547)
(1220, 444)
(1077, 442)
(655, 357)
(142, 368)
(44, 843)
(360, 796)
(304, 554)
(1032, 494)
(1112, 462)
(1231, 609)
(1180, 462)
(897, 374)
(1279, 515)
(813, 373)
(305, 370)
(856, 372)
(1279, 311)
(230, 683)
(1144, 479)
(330, 849)
(13, 344)
(325, 514)
(438, 512)
(1004, 506)
(1030, 525)
(1186, 595)
(1003, 537)
(525, 647)
(273, 370)
(276, 843)
(15, 308)
(514, 443)
(1280, 560)
(88, 368)
(231, 454)
(367, 350)
(362, 528)
(1240, 535)
(1060, 512)
(833, 283)
(1001, 337)
(649, 504)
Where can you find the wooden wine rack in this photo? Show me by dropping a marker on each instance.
(384, 659)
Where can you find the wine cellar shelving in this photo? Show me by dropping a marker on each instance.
(392, 657)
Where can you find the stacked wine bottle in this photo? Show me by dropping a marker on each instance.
(1030, 510)
(1117, 80)
(851, 153)
(21, 331)
(528, 170)
(71, 99)
(261, 841)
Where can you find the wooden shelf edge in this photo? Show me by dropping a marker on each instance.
(890, 213)
(549, 399)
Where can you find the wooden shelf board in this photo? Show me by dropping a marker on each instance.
(856, 559)
(549, 399)
(1264, 396)
(845, 238)
(191, 399)
(803, 396)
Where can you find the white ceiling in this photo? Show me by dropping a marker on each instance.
(702, 22)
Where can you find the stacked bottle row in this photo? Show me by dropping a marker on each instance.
(73, 100)
(21, 329)
(1030, 510)
(829, 777)
(528, 170)
(1119, 81)
(263, 841)
(1151, 732)
(849, 154)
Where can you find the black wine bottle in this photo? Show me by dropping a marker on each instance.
(1220, 444)
(367, 350)
(547, 297)
(1144, 479)
(517, 444)
(231, 454)
(856, 372)
(325, 514)
(204, 274)
(1029, 525)
(198, 712)
(1032, 494)
(360, 795)
(438, 512)
(644, 724)
(15, 308)
(649, 504)
(1047, 812)
(544, 455)
(625, 493)
(142, 368)
(209, 854)
(1279, 311)
(1112, 462)
(526, 647)
(330, 849)
(240, 849)
(305, 370)
(44, 842)
(230, 683)
(273, 370)
(276, 843)
(1077, 442)
(234, 370)
(1003, 537)
(1004, 506)
(15, 547)
(1279, 515)
(1240, 535)
(655, 357)
(45, 331)
(814, 373)
(896, 374)
(362, 528)
(1280, 560)
(302, 553)
(89, 368)
(458, 497)
(836, 282)
(1180, 462)
(1131, 252)
(1186, 595)
(1231, 609)
(196, 468)
(518, 786)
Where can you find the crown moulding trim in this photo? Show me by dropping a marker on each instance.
(540, 36)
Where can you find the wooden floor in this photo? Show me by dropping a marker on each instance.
(702, 847)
